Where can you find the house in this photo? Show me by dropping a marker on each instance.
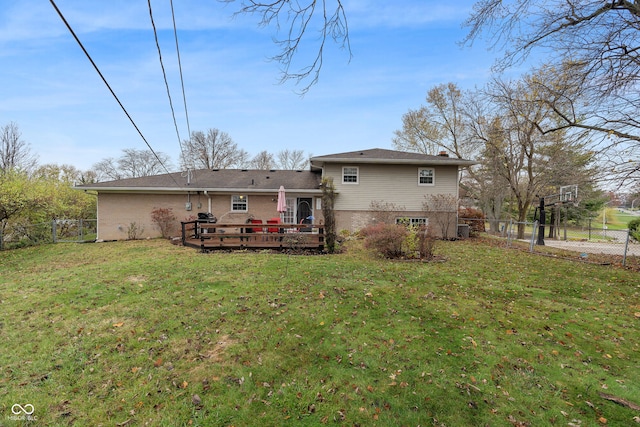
(368, 184)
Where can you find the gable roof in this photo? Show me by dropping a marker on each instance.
(382, 156)
(222, 180)
(266, 181)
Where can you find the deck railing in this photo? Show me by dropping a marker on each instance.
(208, 236)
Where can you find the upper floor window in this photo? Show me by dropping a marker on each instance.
(426, 176)
(239, 203)
(350, 175)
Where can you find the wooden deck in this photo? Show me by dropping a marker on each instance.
(210, 236)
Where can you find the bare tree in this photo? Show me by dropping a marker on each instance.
(292, 159)
(263, 160)
(107, 170)
(132, 164)
(442, 211)
(503, 128)
(594, 47)
(296, 20)
(518, 143)
(212, 150)
(385, 212)
(136, 163)
(440, 125)
(15, 153)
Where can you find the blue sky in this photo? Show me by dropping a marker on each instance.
(65, 112)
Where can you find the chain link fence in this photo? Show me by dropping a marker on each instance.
(19, 234)
(585, 243)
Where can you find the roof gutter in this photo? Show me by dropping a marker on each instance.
(353, 160)
(183, 190)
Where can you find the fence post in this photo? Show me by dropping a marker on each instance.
(1, 239)
(533, 236)
(566, 214)
(80, 230)
(626, 248)
(54, 231)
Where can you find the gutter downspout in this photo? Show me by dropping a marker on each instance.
(206, 193)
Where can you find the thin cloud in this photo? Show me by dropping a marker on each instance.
(404, 13)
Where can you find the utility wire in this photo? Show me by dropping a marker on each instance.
(164, 75)
(111, 90)
(184, 96)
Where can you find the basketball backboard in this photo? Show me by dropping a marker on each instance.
(569, 194)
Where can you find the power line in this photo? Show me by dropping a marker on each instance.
(184, 96)
(111, 90)
(164, 75)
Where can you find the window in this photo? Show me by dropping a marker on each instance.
(426, 176)
(412, 221)
(350, 175)
(289, 217)
(239, 203)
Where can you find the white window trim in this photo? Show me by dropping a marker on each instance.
(246, 198)
(357, 181)
(433, 175)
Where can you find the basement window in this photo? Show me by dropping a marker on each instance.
(417, 221)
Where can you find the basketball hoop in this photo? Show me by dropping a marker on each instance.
(569, 194)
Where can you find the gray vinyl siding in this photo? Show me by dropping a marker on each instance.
(397, 184)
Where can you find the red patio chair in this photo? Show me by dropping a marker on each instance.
(257, 229)
(273, 221)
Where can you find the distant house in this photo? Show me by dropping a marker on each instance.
(368, 184)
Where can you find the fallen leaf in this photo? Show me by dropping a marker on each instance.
(118, 325)
(195, 399)
(158, 363)
(602, 420)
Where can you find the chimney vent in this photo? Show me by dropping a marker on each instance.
(443, 154)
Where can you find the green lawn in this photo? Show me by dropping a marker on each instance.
(146, 333)
(616, 220)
